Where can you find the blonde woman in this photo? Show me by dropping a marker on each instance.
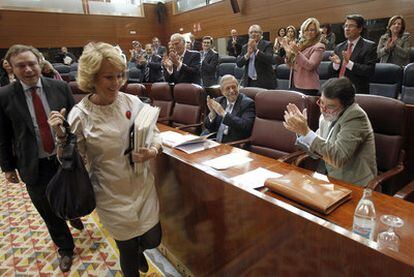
(304, 58)
(126, 202)
(394, 46)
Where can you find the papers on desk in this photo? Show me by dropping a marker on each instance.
(187, 143)
(255, 178)
(227, 161)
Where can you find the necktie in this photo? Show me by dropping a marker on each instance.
(41, 118)
(147, 71)
(223, 128)
(252, 68)
(343, 66)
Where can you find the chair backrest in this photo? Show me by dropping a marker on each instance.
(407, 92)
(282, 75)
(388, 119)
(251, 91)
(134, 75)
(326, 55)
(189, 104)
(136, 89)
(238, 72)
(227, 59)
(325, 72)
(387, 80)
(269, 136)
(62, 68)
(412, 55)
(313, 112)
(77, 93)
(64, 71)
(162, 97)
(74, 67)
(225, 68)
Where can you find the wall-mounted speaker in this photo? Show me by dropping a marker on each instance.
(235, 6)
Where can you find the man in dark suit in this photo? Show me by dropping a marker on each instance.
(157, 48)
(26, 140)
(150, 66)
(66, 57)
(234, 45)
(257, 59)
(181, 65)
(231, 115)
(209, 63)
(355, 58)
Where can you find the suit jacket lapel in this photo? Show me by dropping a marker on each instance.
(357, 49)
(237, 105)
(50, 95)
(21, 106)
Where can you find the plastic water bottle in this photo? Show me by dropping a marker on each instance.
(364, 216)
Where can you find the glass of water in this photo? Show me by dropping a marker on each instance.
(388, 239)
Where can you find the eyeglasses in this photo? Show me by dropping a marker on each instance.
(331, 108)
(310, 30)
(350, 26)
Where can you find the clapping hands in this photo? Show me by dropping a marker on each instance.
(215, 107)
(295, 120)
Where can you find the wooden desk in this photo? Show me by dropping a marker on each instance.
(215, 227)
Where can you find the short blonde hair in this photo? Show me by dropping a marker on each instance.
(305, 26)
(90, 63)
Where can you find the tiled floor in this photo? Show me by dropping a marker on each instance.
(27, 250)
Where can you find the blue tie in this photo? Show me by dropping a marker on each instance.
(223, 127)
(252, 69)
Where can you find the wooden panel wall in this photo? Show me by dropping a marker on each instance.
(55, 30)
(218, 19)
(51, 30)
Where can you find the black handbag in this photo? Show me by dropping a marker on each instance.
(70, 192)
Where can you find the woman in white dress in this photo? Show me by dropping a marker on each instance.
(126, 202)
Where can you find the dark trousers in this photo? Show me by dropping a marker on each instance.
(131, 251)
(58, 229)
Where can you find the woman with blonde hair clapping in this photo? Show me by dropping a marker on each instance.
(304, 58)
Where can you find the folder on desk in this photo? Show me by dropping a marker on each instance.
(312, 193)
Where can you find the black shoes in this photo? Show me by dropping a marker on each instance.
(65, 262)
(77, 224)
(143, 264)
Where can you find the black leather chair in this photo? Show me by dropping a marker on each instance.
(134, 75)
(407, 91)
(325, 72)
(227, 59)
(387, 80)
(64, 71)
(224, 69)
(282, 75)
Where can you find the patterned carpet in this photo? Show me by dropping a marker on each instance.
(27, 250)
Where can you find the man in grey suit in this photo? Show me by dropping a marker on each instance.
(345, 138)
(231, 115)
(257, 59)
(26, 140)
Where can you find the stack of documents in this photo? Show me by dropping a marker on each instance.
(144, 126)
(188, 143)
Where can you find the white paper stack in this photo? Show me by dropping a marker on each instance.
(144, 125)
(187, 143)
